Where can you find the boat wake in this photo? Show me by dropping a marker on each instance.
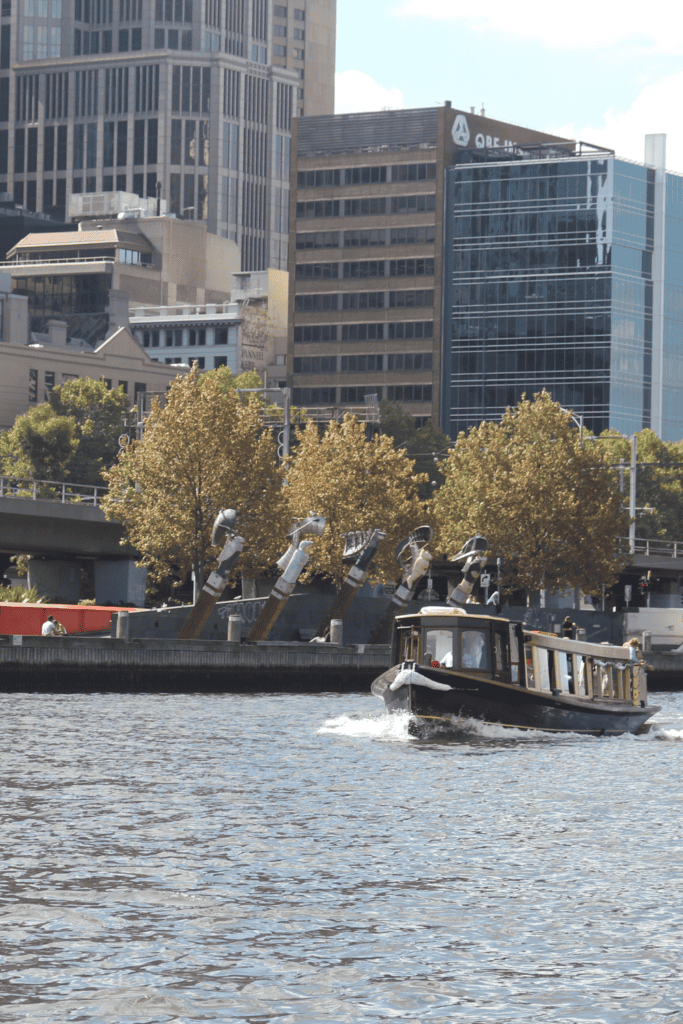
(391, 728)
(401, 727)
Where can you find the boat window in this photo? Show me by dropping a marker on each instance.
(603, 678)
(529, 660)
(514, 653)
(582, 688)
(409, 638)
(438, 646)
(473, 649)
(564, 679)
(542, 668)
(500, 653)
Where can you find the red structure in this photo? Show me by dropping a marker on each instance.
(27, 619)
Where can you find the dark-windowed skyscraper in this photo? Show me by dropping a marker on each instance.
(184, 100)
(564, 271)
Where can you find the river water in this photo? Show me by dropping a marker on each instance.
(301, 860)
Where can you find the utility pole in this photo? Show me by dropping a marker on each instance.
(287, 428)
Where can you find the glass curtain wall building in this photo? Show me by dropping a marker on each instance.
(563, 272)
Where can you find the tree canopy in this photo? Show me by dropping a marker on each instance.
(72, 437)
(548, 507)
(357, 484)
(205, 450)
(659, 481)
(426, 444)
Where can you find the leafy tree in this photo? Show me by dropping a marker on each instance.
(356, 484)
(424, 444)
(40, 445)
(227, 381)
(659, 481)
(205, 450)
(74, 436)
(97, 411)
(547, 506)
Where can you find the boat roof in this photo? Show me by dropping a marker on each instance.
(443, 611)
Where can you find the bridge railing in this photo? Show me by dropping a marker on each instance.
(50, 490)
(644, 546)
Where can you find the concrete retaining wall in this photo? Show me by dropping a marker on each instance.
(76, 664)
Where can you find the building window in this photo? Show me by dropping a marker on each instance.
(279, 30)
(280, 11)
(33, 385)
(124, 40)
(299, 15)
(279, 51)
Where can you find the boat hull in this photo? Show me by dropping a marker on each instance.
(507, 705)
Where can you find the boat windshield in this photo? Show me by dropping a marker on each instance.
(474, 649)
(438, 647)
(462, 648)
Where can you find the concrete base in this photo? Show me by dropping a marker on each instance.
(57, 581)
(120, 583)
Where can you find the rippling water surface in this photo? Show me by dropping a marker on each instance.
(300, 859)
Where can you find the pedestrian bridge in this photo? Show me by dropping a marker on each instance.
(60, 520)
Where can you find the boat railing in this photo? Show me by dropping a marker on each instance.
(575, 667)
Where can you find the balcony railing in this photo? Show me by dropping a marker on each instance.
(20, 264)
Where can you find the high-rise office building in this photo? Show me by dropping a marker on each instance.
(180, 99)
(564, 271)
(366, 245)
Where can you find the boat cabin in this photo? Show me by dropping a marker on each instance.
(504, 651)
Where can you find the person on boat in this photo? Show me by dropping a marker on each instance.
(568, 628)
(60, 630)
(636, 652)
(495, 601)
(472, 648)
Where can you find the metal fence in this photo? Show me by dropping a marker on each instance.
(51, 490)
(643, 546)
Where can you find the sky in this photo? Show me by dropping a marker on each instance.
(592, 70)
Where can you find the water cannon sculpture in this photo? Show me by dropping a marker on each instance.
(292, 563)
(225, 525)
(473, 556)
(360, 547)
(414, 560)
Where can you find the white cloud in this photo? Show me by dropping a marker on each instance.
(656, 109)
(584, 25)
(356, 92)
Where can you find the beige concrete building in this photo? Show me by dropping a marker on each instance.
(89, 277)
(366, 251)
(247, 333)
(304, 40)
(30, 371)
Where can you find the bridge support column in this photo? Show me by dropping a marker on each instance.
(57, 580)
(120, 582)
